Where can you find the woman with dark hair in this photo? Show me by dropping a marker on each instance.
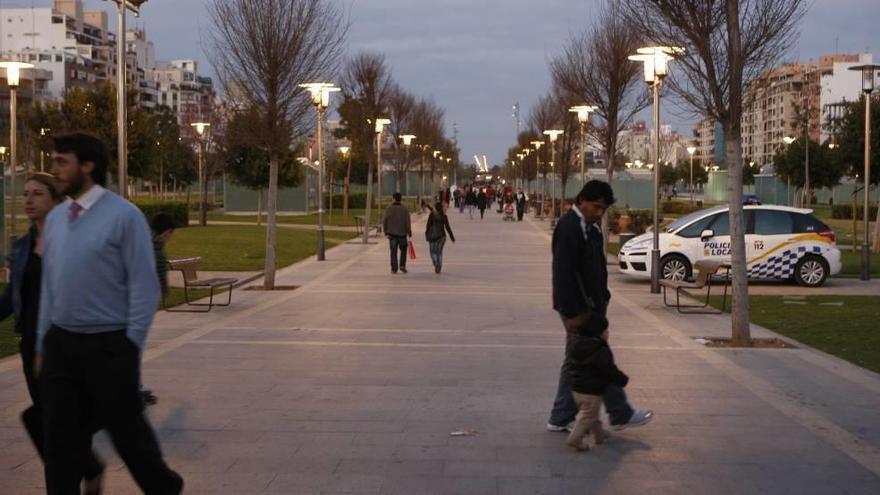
(435, 234)
(21, 299)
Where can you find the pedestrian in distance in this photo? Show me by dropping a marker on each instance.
(471, 202)
(435, 233)
(21, 299)
(581, 297)
(482, 202)
(99, 294)
(522, 202)
(398, 229)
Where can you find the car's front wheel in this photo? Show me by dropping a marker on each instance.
(675, 267)
(811, 271)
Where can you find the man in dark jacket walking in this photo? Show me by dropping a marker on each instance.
(581, 297)
(397, 228)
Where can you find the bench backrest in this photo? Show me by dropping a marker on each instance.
(706, 268)
(187, 266)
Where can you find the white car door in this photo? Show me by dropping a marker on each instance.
(767, 247)
(717, 247)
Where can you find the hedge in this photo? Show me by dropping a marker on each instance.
(680, 207)
(844, 212)
(177, 210)
(355, 200)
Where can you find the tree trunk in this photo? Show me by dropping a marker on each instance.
(330, 209)
(269, 278)
(260, 207)
(203, 206)
(606, 225)
(740, 329)
(345, 194)
(876, 247)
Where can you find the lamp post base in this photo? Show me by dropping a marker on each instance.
(321, 244)
(866, 262)
(655, 271)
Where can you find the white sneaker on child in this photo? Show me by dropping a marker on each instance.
(639, 418)
(560, 429)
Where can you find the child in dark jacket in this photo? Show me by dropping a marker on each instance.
(590, 367)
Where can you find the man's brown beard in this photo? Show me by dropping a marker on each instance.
(75, 185)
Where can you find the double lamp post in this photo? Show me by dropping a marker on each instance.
(656, 64)
(320, 93)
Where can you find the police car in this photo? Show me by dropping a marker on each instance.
(781, 243)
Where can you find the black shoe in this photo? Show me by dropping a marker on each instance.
(94, 486)
(148, 398)
(403, 270)
(437, 268)
(394, 272)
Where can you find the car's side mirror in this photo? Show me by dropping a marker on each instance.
(707, 234)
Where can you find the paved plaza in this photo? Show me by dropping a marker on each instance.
(353, 383)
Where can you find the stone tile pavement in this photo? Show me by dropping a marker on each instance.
(353, 383)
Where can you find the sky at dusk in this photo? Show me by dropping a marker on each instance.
(476, 58)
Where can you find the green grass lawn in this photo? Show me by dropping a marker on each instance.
(241, 248)
(312, 219)
(848, 331)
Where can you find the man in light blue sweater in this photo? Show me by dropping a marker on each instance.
(99, 294)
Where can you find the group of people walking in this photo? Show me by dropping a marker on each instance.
(84, 288)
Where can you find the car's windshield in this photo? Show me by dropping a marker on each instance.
(681, 222)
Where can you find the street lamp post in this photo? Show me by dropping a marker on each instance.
(379, 127)
(788, 196)
(656, 65)
(346, 152)
(201, 127)
(691, 150)
(554, 135)
(522, 168)
(321, 99)
(434, 156)
(583, 114)
(407, 141)
(13, 78)
(121, 109)
(2, 205)
(537, 145)
(867, 71)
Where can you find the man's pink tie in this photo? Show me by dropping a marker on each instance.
(74, 211)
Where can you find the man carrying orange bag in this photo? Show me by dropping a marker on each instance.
(398, 229)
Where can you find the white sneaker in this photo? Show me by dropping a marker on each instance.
(639, 418)
(560, 429)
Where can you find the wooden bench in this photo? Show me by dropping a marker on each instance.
(359, 221)
(191, 281)
(706, 274)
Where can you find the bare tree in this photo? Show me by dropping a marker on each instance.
(428, 126)
(541, 118)
(262, 50)
(366, 83)
(595, 68)
(726, 42)
(402, 110)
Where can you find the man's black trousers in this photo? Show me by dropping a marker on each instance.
(97, 374)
